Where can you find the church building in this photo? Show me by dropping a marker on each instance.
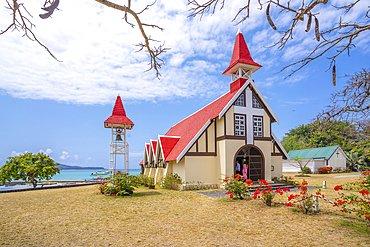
(233, 130)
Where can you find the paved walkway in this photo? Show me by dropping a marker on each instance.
(347, 176)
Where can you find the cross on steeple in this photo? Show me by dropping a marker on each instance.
(250, 112)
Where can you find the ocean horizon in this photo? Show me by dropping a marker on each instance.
(71, 175)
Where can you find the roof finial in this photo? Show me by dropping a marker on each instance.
(238, 31)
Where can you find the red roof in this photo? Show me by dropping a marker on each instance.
(167, 143)
(154, 147)
(147, 145)
(142, 162)
(190, 126)
(118, 115)
(241, 53)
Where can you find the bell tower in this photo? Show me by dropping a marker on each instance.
(118, 122)
(242, 65)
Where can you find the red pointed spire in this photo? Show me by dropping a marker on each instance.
(118, 118)
(240, 55)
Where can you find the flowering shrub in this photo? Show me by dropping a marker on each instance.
(304, 202)
(348, 169)
(325, 170)
(171, 181)
(338, 169)
(236, 186)
(267, 194)
(119, 184)
(306, 170)
(360, 202)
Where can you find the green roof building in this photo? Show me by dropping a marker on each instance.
(332, 156)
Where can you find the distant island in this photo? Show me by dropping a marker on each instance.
(66, 167)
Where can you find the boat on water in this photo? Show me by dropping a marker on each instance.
(98, 173)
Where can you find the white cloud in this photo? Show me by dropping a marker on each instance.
(75, 156)
(137, 154)
(47, 152)
(14, 153)
(89, 161)
(64, 156)
(99, 58)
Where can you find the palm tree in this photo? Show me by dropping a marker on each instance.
(355, 161)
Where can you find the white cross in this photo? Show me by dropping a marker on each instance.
(249, 111)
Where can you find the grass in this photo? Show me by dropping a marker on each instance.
(81, 216)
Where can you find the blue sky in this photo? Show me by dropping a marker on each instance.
(60, 108)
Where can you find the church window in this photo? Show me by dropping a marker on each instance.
(240, 100)
(257, 126)
(239, 125)
(256, 104)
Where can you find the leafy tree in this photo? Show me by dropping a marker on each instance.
(321, 134)
(301, 164)
(28, 167)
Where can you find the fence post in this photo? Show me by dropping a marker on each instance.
(315, 205)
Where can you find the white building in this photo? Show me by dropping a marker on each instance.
(332, 156)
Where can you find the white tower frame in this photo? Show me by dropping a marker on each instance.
(117, 147)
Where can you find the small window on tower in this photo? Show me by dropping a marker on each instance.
(240, 100)
(239, 125)
(256, 104)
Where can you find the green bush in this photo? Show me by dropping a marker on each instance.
(306, 170)
(171, 181)
(119, 184)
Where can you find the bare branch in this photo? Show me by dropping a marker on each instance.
(154, 52)
(351, 103)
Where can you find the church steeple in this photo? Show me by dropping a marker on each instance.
(242, 64)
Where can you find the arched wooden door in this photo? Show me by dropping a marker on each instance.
(253, 157)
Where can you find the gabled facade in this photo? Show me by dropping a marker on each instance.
(332, 156)
(236, 127)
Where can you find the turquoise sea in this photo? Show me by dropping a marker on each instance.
(69, 175)
(78, 175)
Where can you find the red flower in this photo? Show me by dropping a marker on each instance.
(338, 187)
(231, 195)
(363, 192)
(118, 172)
(248, 181)
(304, 182)
(303, 188)
(113, 194)
(286, 189)
(126, 173)
(102, 183)
(228, 192)
(264, 192)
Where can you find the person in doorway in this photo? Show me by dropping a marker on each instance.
(245, 171)
(238, 168)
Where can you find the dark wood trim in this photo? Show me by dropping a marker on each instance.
(225, 123)
(215, 120)
(196, 146)
(201, 154)
(262, 138)
(276, 154)
(229, 137)
(207, 139)
(273, 147)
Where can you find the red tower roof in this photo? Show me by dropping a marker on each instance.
(240, 54)
(118, 118)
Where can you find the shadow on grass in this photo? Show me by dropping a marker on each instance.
(146, 193)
